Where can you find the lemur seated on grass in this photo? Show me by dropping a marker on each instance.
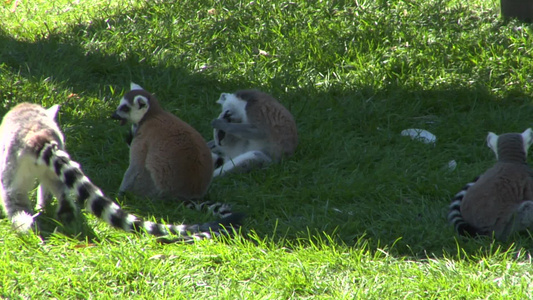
(500, 201)
(169, 159)
(253, 129)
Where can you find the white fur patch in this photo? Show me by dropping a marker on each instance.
(236, 106)
(148, 225)
(202, 235)
(81, 182)
(26, 172)
(134, 86)
(492, 142)
(124, 101)
(454, 214)
(247, 157)
(99, 193)
(130, 219)
(181, 228)
(110, 211)
(461, 194)
(22, 221)
(122, 114)
(222, 98)
(135, 114)
(74, 165)
(61, 153)
(527, 137)
(52, 111)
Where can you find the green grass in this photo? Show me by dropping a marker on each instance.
(358, 212)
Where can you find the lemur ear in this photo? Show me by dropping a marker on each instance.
(222, 98)
(492, 142)
(134, 86)
(527, 136)
(52, 111)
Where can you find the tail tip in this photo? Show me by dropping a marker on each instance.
(235, 219)
(230, 224)
(465, 229)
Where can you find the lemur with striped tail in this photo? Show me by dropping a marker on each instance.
(32, 147)
(500, 201)
(169, 159)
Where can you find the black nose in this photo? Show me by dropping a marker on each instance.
(115, 116)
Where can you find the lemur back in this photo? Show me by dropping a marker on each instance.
(32, 147)
(500, 201)
(168, 158)
(252, 129)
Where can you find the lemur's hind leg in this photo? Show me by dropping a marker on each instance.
(138, 180)
(128, 181)
(243, 162)
(525, 215)
(44, 198)
(51, 185)
(15, 201)
(17, 207)
(521, 220)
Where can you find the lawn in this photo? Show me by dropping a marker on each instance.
(359, 212)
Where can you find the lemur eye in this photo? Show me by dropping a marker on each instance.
(124, 108)
(227, 115)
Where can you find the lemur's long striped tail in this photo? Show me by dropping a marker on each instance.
(454, 215)
(91, 197)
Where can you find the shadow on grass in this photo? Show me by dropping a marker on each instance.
(353, 175)
(358, 178)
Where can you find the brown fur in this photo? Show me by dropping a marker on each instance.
(168, 157)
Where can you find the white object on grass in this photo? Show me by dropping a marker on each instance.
(420, 134)
(452, 164)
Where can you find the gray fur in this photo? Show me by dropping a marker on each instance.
(239, 130)
(252, 130)
(499, 202)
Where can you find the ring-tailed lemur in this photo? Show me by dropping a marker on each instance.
(252, 129)
(169, 159)
(32, 147)
(500, 201)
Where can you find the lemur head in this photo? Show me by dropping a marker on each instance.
(233, 107)
(133, 105)
(510, 146)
